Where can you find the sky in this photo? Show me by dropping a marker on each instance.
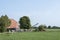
(39, 11)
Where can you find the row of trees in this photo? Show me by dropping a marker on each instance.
(49, 27)
(44, 27)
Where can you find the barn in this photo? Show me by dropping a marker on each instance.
(14, 26)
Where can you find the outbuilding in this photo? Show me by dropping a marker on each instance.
(14, 26)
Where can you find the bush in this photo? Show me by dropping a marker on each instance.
(36, 30)
(41, 28)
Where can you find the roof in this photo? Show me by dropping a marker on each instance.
(14, 24)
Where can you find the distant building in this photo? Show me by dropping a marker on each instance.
(14, 26)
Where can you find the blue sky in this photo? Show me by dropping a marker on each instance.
(40, 11)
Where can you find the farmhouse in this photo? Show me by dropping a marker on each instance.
(13, 27)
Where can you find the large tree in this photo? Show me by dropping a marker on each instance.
(25, 22)
(4, 23)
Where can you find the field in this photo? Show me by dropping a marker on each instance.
(48, 35)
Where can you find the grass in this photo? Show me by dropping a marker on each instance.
(31, 36)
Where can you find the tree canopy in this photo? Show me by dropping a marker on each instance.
(25, 22)
(4, 23)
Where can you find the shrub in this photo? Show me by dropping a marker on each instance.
(41, 28)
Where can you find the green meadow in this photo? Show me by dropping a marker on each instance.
(48, 35)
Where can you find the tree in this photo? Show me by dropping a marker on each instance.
(25, 22)
(55, 27)
(49, 27)
(4, 23)
(41, 28)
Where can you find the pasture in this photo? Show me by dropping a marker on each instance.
(48, 35)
